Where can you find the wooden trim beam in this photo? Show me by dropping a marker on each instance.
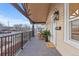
(24, 7)
(21, 10)
(49, 8)
(39, 22)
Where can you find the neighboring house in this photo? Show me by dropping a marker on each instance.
(20, 27)
(5, 29)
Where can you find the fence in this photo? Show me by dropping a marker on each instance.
(12, 42)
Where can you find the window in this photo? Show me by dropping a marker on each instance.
(74, 29)
(71, 27)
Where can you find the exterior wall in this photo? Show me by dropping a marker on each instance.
(64, 48)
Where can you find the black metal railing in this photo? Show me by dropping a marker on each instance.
(12, 42)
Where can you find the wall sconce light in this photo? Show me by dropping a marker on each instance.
(56, 14)
(58, 28)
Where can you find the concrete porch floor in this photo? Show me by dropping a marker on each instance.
(38, 47)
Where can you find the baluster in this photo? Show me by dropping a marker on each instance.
(21, 40)
(5, 45)
(11, 45)
(8, 45)
(15, 43)
(1, 47)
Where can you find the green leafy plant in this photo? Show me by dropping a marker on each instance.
(45, 34)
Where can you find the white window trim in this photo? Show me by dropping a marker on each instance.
(66, 28)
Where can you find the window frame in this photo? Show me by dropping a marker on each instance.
(67, 36)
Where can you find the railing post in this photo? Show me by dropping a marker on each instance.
(33, 30)
(22, 41)
(29, 35)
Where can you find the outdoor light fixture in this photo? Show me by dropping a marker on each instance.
(56, 14)
(58, 28)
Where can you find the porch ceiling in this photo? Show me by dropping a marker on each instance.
(38, 12)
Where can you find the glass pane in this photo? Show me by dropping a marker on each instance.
(75, 30)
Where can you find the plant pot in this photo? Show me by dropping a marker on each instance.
(42, 38)
(46, 39)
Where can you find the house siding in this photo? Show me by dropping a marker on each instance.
(64, 48)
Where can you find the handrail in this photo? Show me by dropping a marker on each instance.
(8, 34)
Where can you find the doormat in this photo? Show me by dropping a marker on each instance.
(50, 45)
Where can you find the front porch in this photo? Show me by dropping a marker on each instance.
(54, 17)
(37, 47)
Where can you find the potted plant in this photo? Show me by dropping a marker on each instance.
(46, 34)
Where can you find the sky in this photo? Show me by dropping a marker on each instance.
(9, 14)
